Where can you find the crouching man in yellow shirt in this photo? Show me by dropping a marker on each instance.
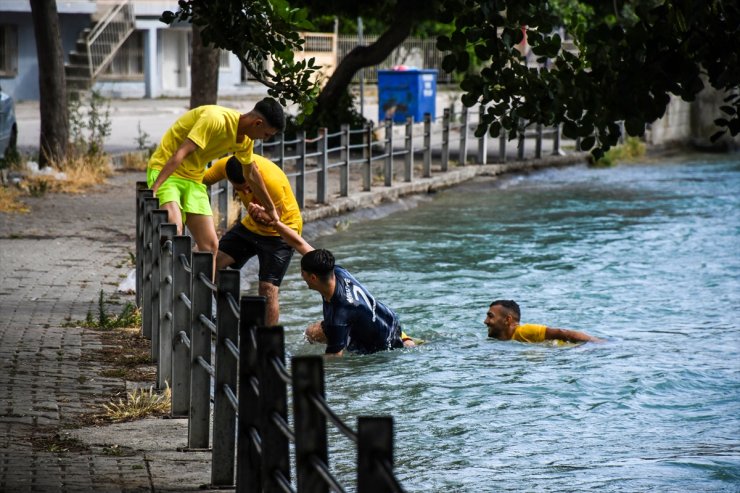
(249, 238)
(503, 318)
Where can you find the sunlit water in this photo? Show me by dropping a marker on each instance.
(644, 255)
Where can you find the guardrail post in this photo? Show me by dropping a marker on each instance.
(520, 141)
(427, 169)
(182, 289)
(374, 446)
(538, 143)
(142, 192)
(259, 148)
(200, 347)
(300, 179)
(322, 178)
(556, 141)
(445, 139)
(150, 205)
(462, 155)
(164, 341)
(159, 217)
(367, 175)
(483, 139)
(248, 468)
(409, 161)
(345, 157)
(309, 423)
(502, 145)
(273, 403)
(388, 173)
(224, 414)
(281, 152)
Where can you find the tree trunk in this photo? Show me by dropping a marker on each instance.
(52, 83)
(203, 72)
(367, 56)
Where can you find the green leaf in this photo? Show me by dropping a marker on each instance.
(449, 63)
(494, 130)
(634, 127)
(716, 136)
(588, 143)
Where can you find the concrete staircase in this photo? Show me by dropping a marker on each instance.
(97, 45)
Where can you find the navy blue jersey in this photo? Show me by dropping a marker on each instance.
(354, 320)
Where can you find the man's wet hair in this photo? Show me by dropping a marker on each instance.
(319, 262)
(510, 306)
(235, 171)
(272, 112)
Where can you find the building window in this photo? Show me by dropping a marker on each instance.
(8, 50)
(129, 60)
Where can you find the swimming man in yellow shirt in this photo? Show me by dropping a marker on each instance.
(503, 318)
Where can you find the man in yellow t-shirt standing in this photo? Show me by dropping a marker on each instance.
(175, 170)
(503, 318)
(249, 238)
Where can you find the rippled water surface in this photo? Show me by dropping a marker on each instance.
(644, 255)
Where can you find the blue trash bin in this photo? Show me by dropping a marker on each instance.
(404, 93)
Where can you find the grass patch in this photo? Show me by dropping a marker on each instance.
(58, 443)
(139, 404)
(9, 200)
(633, 148)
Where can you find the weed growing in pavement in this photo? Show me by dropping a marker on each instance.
(9, 200)
(139, 404)
(129, 317)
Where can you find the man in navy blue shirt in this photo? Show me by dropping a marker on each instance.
(353, 319)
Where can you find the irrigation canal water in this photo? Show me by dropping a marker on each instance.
(646, 255)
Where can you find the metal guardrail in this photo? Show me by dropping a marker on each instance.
(250, 379)
(305, 157)
(108, 36)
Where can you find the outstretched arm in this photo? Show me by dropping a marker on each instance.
(569, 335)
(290, 236)
(257, 184)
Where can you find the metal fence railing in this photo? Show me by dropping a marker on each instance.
(247, 380)
(393, 152)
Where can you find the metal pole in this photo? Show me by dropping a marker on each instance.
(409, 161)
(361, 42)
(309, 422)
(538, 143)
(520, 141)
(388, 152)
(322, 178)
(374, 446)
(483, 139)
(462, 154)
(164, 346)
(200, 349)
(346, 156)
(367, 176)
(150, 205)
(248, 468)
(224, 415)
(427, 172)
(141, 193)
(300, 180)
(182, 288)
(445, 139)
(159, 217)
(502, 145)
(556, 141)
(273, 403)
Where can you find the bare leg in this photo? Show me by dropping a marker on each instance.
(271, 293)
(204, 234)
(174, 216)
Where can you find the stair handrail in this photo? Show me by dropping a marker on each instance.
(128, 11)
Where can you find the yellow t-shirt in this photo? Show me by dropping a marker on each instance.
(213, 129)
(278, 187)
(529, 333)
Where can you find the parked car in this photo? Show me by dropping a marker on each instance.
(8, 125)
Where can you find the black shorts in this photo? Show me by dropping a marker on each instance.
(272, 252)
